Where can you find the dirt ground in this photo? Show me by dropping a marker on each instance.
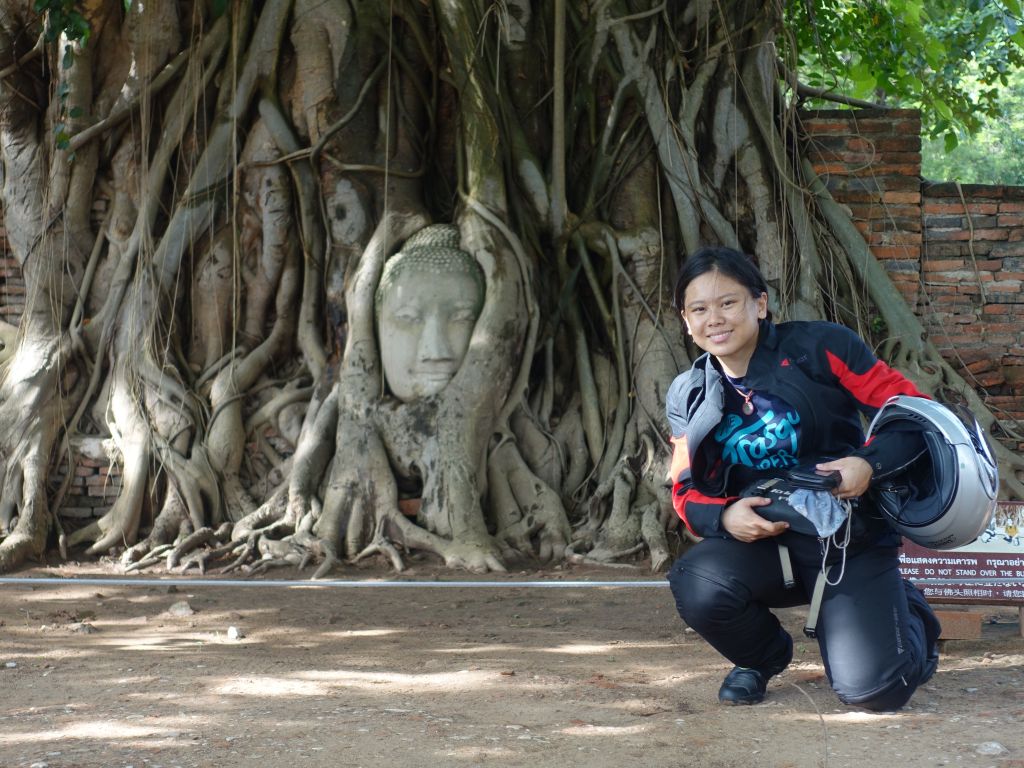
(157, 676)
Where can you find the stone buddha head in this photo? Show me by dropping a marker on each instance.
(427, 302)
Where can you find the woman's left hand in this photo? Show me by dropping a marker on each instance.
(856, 473)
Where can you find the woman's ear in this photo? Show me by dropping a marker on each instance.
(762, 306)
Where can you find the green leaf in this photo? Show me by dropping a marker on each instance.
(863, 78)
(943, 109)
(951, 142)
(912, 12)
(934, 52)
(69, 57)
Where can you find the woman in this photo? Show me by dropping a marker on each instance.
(765, 398)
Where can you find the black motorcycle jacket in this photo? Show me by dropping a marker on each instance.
(823, 370)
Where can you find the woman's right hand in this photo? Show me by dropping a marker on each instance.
(741, 520)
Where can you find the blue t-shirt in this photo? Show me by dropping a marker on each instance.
(765, 440)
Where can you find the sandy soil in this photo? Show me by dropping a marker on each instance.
(151, 675)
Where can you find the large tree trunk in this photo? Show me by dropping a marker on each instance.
(203, 207)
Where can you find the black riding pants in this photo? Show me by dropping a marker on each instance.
(876, 633)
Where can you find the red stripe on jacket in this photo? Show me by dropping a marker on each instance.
(681, 464)
(874, 387)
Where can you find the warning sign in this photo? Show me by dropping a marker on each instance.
(991, 570)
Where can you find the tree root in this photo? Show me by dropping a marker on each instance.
(200, 538)
(607, 560)
(526, 507)
(382, 546)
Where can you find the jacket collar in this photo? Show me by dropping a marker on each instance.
(765, 351)
(768, 337)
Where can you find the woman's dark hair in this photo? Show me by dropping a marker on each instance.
(728, 261)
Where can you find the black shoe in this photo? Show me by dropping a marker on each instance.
(747, 685)
(743, 686)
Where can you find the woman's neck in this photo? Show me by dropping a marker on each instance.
(734, 369)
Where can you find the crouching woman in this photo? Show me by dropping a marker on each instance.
(763, 399)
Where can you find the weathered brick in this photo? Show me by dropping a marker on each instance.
(941, 292)
(966, 234)
(901, 172)
(943, 250)
(899, 212)
(903, 156)
(896, 252)
(1012, 299)
(987, 265)
(1008, 287)
(896, 144)
(890, 224)
(864, 212)
(904, 266)
(836, 168)
(814, 127)
(954, 208)
(990, 379)
(842, 183)
(941, 265)
(901, 197)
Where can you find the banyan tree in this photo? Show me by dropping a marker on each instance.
(349, 278)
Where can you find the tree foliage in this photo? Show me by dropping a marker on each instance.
(993, 155)
(949, 58)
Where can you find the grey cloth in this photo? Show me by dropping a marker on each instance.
(694, 402)
(824, 510)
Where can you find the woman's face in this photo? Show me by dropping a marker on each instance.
(426, 322)
(722, 317)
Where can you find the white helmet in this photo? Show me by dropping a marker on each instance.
(945, 498)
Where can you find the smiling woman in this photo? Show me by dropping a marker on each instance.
(427, 304)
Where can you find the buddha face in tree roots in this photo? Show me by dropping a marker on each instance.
(427, 304)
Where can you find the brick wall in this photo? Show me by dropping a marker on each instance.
(96, 482)
(94, 486)
(12, 286)
(955, 252)
(973, 265)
